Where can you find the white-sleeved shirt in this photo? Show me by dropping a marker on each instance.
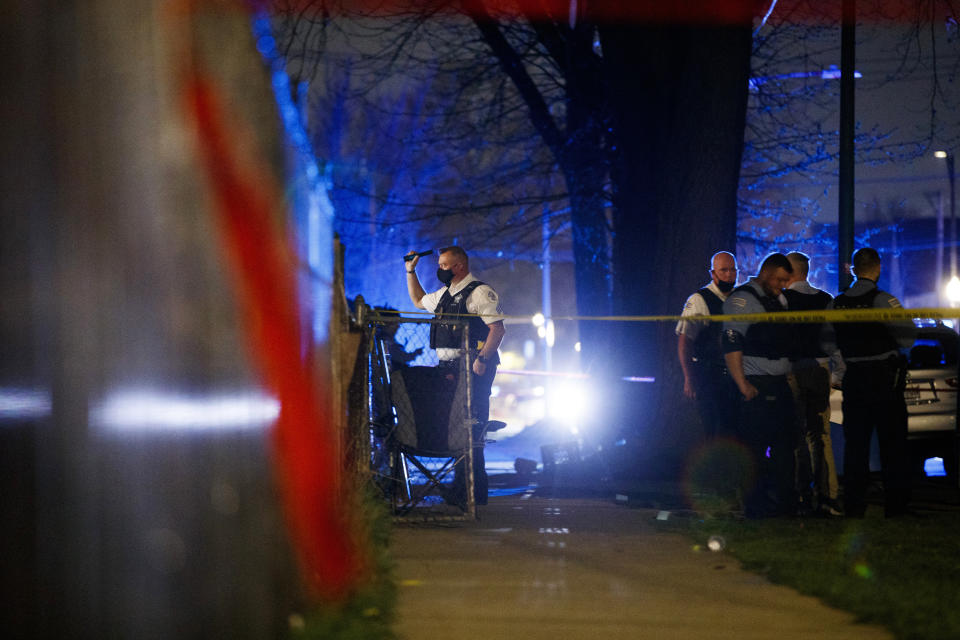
(697, 306)
(483, 301)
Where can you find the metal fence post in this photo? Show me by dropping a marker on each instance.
(468, 466)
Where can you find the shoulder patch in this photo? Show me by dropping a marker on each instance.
(738, 302)
(492, 295)
(894, 303)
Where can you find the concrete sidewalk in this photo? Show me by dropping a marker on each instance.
(561, 568)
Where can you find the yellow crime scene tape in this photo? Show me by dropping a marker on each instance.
(831, 315)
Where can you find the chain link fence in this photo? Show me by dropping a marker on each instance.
(420, 445)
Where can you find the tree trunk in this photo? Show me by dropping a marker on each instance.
(678, 98)
(585, 171)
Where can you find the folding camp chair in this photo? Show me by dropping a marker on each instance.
(433, 434)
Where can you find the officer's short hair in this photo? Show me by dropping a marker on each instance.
(866, 259)
(714, 257)
(456, 252)
(800, 260)
(775, 261)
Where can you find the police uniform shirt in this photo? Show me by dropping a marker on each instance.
(740, 302)
(483, 301)
(696, 306)
(902, 332)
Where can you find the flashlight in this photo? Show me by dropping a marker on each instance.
(411, 256)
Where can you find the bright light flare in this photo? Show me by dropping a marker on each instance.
(132, 411)
(953, 291)
(24, 404)
(940, 154)
(538, 319)
(569, 403)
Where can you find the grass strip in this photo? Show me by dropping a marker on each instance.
(369, 613)
(903, 573)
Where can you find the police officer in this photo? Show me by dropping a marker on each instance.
(810, 381)
(756, 356)
(461, 294)
(705, 376)
(873, 387)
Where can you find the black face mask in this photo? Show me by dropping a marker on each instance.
(445, 276)
(725, 287)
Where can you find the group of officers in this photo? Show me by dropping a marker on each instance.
(764, 384)
(767, 385)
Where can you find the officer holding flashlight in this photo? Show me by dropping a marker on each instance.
(461, 294)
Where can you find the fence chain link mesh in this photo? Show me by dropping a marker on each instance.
(418, 419)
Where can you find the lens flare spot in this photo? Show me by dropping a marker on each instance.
(297, 622)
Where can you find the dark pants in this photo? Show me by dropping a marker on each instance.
(480, 411)
(717, 399)
(816, 469)
(873, 399)
(768, 430)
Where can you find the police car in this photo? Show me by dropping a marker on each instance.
(931, 398)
